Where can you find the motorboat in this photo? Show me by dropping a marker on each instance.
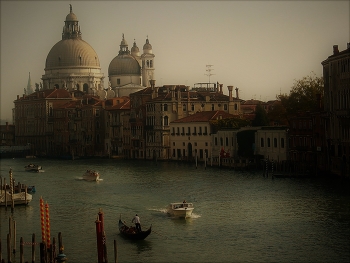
(131, 232)
(33, 168)
(21, 198)
(91, 175)
(180, 209)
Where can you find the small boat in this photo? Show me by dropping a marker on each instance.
(182, 209)
(33, 168)
(21, 198)
(131, 233)
(91, 175)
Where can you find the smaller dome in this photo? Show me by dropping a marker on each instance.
(123, 42)
(147, 46)
(135, 48)
(124, 65)
(71, 17)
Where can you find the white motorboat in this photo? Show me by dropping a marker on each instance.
(182, 209)
(21, 198)
(91, 175)
(33, 168)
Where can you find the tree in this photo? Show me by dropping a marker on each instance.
(277, 114)
(303, 95)
(260, 118)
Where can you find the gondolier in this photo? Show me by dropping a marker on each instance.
(136, 220)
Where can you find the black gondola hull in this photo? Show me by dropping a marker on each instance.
(126, 232)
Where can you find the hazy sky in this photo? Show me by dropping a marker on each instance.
(261, 47)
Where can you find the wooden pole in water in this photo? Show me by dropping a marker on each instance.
(21, 256)
(115, 252)
(42, 219)
(14, 237)
(43, 254)
(98, 239)
(33, 248)
(60, 244)
(105, 256)
(11, 189)
(0, 251)
(5, 192)
(9, 260)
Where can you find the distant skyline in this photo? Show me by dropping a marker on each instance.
(260, 47)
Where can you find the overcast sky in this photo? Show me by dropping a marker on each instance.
(261, 47)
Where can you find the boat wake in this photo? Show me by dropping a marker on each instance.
(165, 211)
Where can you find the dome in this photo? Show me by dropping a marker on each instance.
(147, 46)
(124, 65)
(72, 53)
(71, 17)
(135, 48)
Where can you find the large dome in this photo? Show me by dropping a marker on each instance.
(124, 65)
(69, 53)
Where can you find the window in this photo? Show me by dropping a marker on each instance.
(226, 141)
(262, 142)
(225, 106)
(221, 142)
(216, 141)
(166, 120)
(268, 142)
(236, 106)
(275, 142)
(212, 107)
(118, 81)
(192, 107)
(184, 107)
(165, 107)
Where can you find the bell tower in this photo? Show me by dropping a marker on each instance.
(147, 59)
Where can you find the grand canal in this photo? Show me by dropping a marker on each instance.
(239, 216)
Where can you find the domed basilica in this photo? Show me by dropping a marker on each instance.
(72, 64)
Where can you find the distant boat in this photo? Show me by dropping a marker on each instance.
(30, 156)
(182, 209)
(91, 175)
(21, 198)
(132, 233)
(33, 168)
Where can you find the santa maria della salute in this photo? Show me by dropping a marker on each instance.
(75, 112)
(72, 64)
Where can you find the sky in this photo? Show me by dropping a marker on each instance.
(259, 47)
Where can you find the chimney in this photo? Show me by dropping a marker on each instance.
(348, 45)
(7, 126)
(17, 97)
(237, 97)
(220, 88)
(335, 50)
(230, 88)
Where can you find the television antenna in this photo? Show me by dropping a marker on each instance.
(208, 70)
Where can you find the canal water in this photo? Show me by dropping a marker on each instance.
(239, 216)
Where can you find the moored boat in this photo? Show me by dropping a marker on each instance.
(180, 209)
(91, 175)
(21, 198)
(131, 232)
(33, 168)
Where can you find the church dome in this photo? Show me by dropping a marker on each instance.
(71, 17)
(124, 65)
(147, 48)
(73, 52)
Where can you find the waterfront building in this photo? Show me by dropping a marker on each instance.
(336, 74)
(153, 108)
(271, 142)
(192, 136)
(33, 118)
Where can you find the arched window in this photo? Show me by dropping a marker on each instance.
(261, 142)
(165, 107)
(166, 120)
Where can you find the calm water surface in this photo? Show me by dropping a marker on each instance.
(239, 216)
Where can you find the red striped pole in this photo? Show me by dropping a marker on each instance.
(42, 218)
(47, 225)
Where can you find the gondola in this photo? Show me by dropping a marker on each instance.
(131, 233)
